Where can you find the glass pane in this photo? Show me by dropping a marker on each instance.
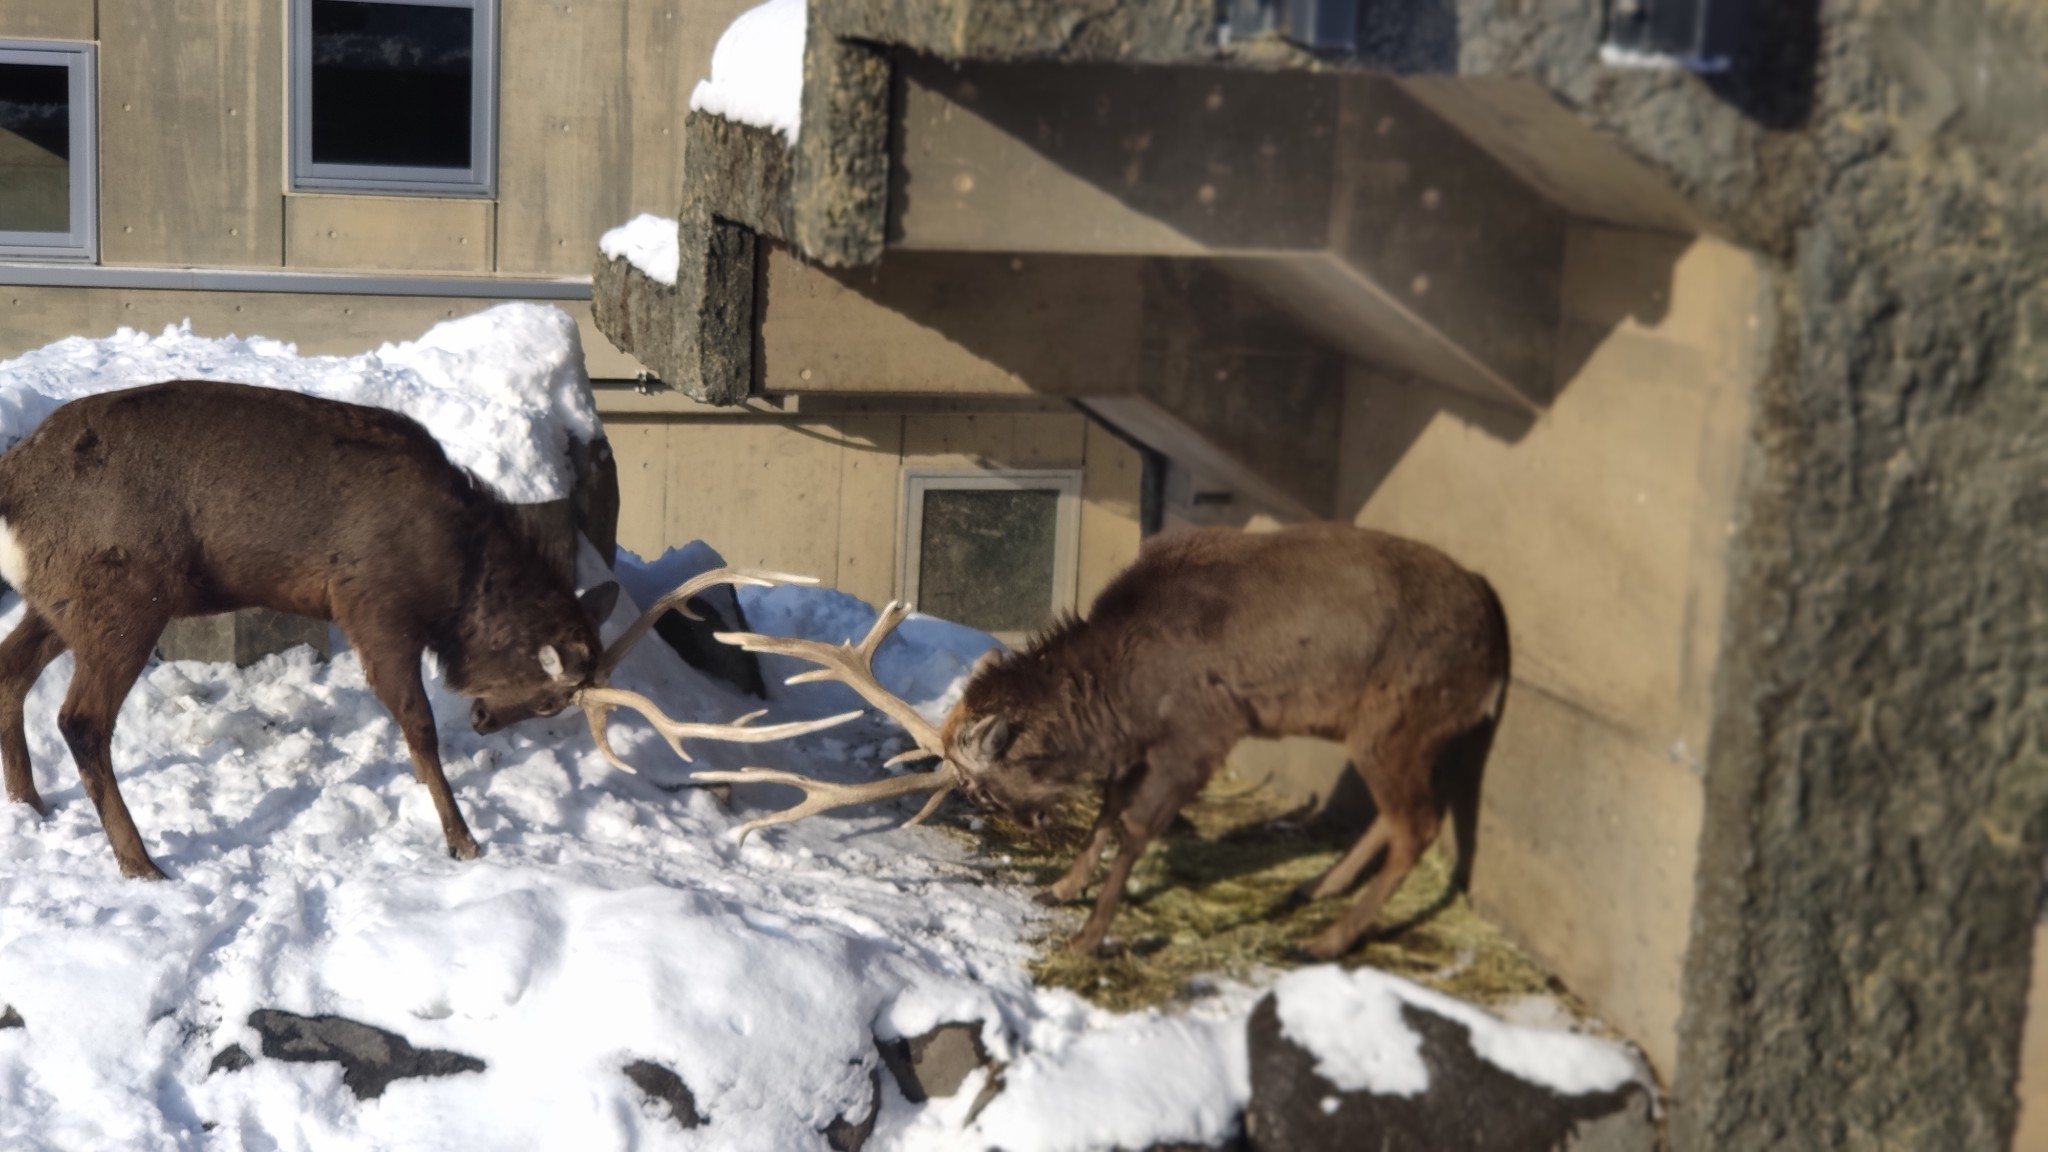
(985, 557)
(391, 84)
(35, 148)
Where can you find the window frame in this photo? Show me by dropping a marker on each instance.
(1066, 525)
(82, 242)
(478, 181)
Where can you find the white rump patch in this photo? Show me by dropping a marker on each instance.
(13, 562)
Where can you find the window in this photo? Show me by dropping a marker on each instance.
(395, 96)
(48, 151)
(992, 550)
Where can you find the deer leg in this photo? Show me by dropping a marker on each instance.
(1116, 796)
(1158, 796)
(108, 661)
(1346, 870)
(1396, 761)
(395, 678)
(23, 656)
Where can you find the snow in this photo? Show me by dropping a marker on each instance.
(612, 918)
(647, 242)
(757, 70)
(502, 389)
(1351, 1022)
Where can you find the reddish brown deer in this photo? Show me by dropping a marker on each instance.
(1213, 635)
(126, 509)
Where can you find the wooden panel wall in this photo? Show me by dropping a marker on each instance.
(54, 19)
(319, 325)
(590, 120)
(390, 233)
(821, 496)
(192, 132)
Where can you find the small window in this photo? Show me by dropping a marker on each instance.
(992, 550)
(47, 151)
(395, 96)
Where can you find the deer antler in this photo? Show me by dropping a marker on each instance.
(853, 666)
(599, 698)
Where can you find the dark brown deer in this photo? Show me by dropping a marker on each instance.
(124, 510)
(1213, 635)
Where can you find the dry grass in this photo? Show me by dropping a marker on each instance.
(1208, 899)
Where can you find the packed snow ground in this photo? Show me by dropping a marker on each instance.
(612, 917)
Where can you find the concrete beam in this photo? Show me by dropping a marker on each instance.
(1387, 232)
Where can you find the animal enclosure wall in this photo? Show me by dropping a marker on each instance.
(1603, 522)
(822, 495)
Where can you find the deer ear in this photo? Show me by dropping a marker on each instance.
(551, 661)
(598, 602)
(986, 661)
(990, 737)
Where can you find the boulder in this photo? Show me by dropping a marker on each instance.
(1470, 1104)
(663, 1086)
(370, 1058)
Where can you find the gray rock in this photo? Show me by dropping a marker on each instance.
(663, 1085)
(232, 1058)
(370, 1058)
(1472, 1105)
(844, 1135)
(936, 1063)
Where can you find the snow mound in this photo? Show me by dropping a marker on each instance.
(1352, 1022)
(647, 242)
(757, 70)
(503, 390)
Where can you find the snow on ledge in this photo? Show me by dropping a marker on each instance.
(647, 242)
(757, 70)
(1351, 1022)
(503, 390)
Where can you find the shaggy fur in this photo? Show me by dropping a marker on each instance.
(1213, 635)
(189, 498)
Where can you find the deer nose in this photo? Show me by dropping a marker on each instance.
(480, 718)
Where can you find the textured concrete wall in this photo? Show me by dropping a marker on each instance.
(1604, 526)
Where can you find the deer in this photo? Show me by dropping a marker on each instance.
(1211, 635)
(126, 509)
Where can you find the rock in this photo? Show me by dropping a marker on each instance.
(664, 1086)
(1471, 1103)
(719, 611)
(370, 1058)
(12, 1019)
(232, 1058)
(845, 1135)
(936, 1063)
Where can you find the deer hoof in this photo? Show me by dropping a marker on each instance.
(464, 849)
(142, 871)
(1051, 898)
(34, 801)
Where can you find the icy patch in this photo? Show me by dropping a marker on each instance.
(647, 242)
(1351, 1022)
(503, 390)
(757, 70)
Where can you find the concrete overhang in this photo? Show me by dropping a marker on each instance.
(1374, 212)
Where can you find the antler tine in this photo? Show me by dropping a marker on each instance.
(598, 702)
(678, 600)
(853, 666)
(823, 795)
